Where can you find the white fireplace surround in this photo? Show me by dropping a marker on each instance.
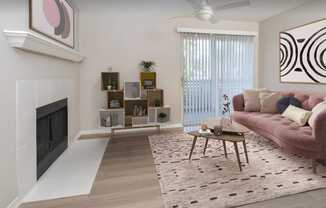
(31, 94)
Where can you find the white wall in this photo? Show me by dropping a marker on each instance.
(269, 44)
(19, 65)
(121, 34)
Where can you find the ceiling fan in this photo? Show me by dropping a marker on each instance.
(204, 11)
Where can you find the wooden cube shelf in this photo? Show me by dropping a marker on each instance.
(155, 98)
(110, 79)
(159, 114)
(115, 99)
(136, 108)
(148, 80)
(112, 117)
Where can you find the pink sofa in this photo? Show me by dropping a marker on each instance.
(306, 141)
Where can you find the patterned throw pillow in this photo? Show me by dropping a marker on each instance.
(268, 102)
(252, 100)
(284, 103)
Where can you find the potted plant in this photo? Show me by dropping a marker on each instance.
(147, 65)
(157, 102)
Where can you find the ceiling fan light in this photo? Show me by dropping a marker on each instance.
(205, 14)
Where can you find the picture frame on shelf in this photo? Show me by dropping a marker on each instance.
(148, 80)
(132, 90)
(136, 108)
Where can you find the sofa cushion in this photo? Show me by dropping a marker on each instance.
(298, 115)
(252, 102)
(252, 99)
(284, 103)
(268, 102)
(315, 112)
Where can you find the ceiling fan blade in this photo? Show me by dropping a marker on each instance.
(197, 4)
(233, 5)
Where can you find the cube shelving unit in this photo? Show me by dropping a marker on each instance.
(155, 97)
(110, 79)
(159, 114)
(148, 80)
(112, 118)
(115, 97)
(123, 113)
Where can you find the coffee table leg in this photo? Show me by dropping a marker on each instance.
(245, 150)
(237, 154)
(205, 146)
(193, 146)
(225, 152)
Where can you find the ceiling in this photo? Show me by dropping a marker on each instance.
(258, 11)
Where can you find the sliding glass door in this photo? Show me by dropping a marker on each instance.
(214, 65)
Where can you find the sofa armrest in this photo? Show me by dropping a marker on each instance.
(319, 131)
(238, 103)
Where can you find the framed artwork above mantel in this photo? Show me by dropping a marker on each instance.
(54, 19)
(303, 54)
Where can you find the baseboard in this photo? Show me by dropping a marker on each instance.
(105, 132)
(15, 203)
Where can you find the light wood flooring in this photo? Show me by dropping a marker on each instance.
(127, 179)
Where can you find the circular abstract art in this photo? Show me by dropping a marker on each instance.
(57, 15)
(303, 54)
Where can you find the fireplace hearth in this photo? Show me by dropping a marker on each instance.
(52, 134)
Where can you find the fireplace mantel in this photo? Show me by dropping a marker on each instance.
(32, 42)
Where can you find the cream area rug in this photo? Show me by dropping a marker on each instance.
(212, 181)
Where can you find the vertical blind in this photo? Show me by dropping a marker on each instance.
(214, 65)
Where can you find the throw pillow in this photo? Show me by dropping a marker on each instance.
(297, 115)
(268, 102)
(252, 100)
(284, 103)
(315, 112)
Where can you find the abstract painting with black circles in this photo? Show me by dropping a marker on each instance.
(303, 54)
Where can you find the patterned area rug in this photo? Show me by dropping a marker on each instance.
(212, 181)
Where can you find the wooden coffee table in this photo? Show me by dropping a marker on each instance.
(235, 133)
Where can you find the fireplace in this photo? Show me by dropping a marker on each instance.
(52, 134)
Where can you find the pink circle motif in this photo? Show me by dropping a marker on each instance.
(51, 12)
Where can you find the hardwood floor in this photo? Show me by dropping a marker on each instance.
(126, 178)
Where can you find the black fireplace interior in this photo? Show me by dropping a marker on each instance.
(52, 134)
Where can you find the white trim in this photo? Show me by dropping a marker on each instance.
(108, 130)
(31, 42)
(15, 203)
(212, 31)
